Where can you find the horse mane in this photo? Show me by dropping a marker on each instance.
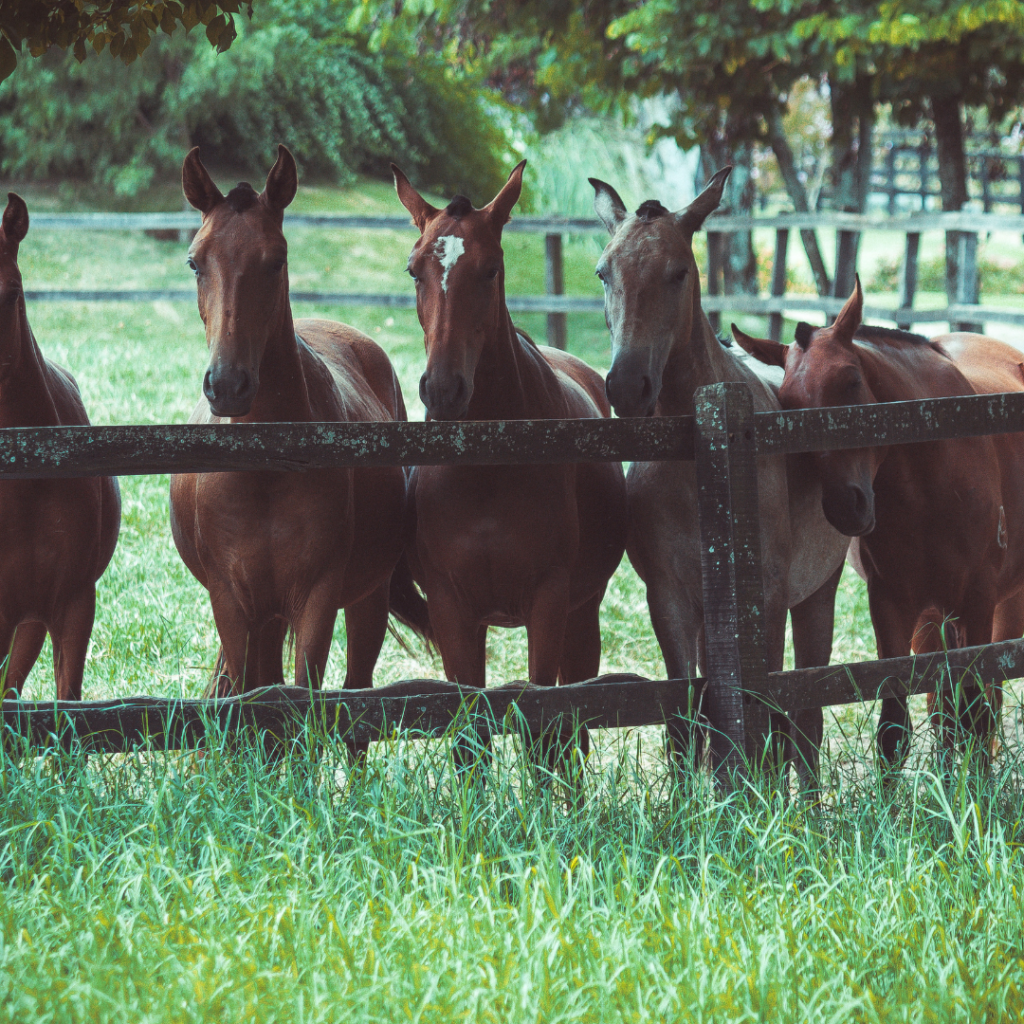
(458, 207)
(650, 210)
(888, 335)
(523, 336)
(242, 197)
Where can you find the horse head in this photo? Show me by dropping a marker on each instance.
(824, 368)
(240, 259)
(12, 230)
(651, 289)
(459, 270)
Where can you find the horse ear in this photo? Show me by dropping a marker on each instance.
(770, 352)
(417, 206)
(850, 315)
(692, 218)
(282, 181)
(197, 184)
(499, 209)
(608, 204)
(15, 218)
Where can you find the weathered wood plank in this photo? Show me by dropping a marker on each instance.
(908, 276)
(857, 426)
(424, 706)
(778, 281)
(34, 452)
(730, 552)
(554, 284)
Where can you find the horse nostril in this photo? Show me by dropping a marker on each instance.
(242, 383)
(645, 389)
(208, 388)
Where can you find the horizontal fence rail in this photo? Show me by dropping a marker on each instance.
(966, 313)
(430, 707)
(37, 452)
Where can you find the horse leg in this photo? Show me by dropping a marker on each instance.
(678, 621)
(71, 632)
(894, 621)
(1007, 624)
(581, 659)
(24, 644)
(314, 631)
(240, 647)
(813, 621)
(366, 625)
(977, 711)
(546, 625)
(462, 641)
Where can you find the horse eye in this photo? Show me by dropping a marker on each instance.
(492, 273)
(600, 276)
(192, 265)
(412, 274)
(680, 275)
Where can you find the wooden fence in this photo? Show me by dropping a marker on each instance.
(960, 229)
(724, 437)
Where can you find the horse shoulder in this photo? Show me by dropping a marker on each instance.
(989, 364)
(66, 396)
(347, 368)
(583, 385)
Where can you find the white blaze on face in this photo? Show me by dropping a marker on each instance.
(448, 250)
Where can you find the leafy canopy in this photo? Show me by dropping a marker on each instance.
(124, 29)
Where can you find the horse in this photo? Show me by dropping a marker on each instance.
(276, 549)
(56, 536)
(663, 350)
(529, 546)
(935, 523)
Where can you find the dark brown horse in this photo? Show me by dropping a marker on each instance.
(56, 536)
(938, 524)
(278, 549)
(663, 350)
(526, 546)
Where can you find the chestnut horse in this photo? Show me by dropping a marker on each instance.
(663, 350)
(282, 549)
(526, 546)
(56, 536)
(936, 522)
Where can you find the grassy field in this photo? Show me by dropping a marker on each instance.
(174, 888)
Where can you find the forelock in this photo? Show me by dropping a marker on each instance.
(458, 207)
(242, 197)
(650, 210)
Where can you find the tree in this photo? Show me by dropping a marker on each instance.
(123, 29)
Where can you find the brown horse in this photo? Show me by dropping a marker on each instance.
(279, 549)
(56, 536)
(663, 350)
(937, 522)
(526, 546)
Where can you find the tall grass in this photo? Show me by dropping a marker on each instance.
(173, 887)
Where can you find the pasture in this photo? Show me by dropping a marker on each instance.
(161, 887)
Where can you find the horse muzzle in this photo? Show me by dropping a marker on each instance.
(445, 398)
(630, 388)
(849, 508)
(230, 390)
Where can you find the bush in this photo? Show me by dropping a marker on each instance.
(293, 76)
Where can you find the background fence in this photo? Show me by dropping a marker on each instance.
(959, 229)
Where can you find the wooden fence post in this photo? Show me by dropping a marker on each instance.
(966, 276)
(847, 245)
(908, 277)
(726, 456)
(715, 274)
(554, 284)
(778, 281)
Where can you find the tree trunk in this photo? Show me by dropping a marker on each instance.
(739, 260)
(853, 121)
(798, 194)
(949, 140)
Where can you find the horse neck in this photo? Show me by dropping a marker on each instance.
(25, 396)
(904, 374)
(510, 381)
(282, 395)
(695, 360)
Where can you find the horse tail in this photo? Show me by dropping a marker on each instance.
(408, 605)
